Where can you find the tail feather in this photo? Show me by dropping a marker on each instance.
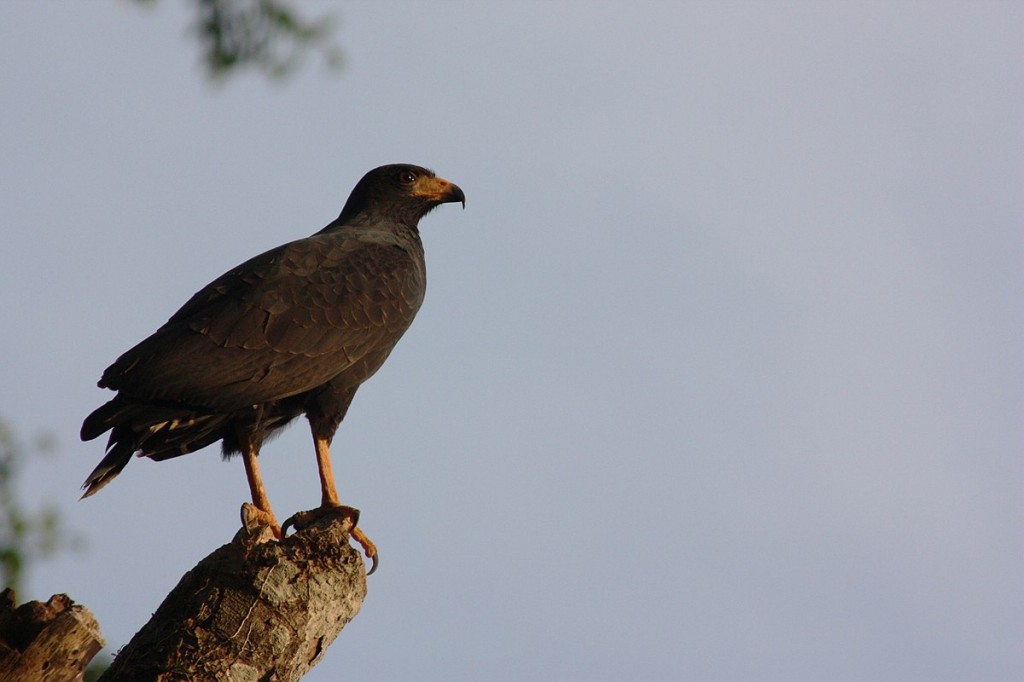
(104, 418)
(152, 430)
(117, 458)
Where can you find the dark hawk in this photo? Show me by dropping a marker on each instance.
(293, 331)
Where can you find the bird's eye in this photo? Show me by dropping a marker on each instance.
(407, 177)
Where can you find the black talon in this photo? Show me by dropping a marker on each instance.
(300, 520)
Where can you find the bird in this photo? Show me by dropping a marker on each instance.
(293, 331)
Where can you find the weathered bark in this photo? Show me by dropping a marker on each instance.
(46, 642)
(252, 610)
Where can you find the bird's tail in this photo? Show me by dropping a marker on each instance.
(117, 458)
(106, 417)
(157, 431)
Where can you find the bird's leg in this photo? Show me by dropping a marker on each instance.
(329, 503)
(329, 497)
(259, 512)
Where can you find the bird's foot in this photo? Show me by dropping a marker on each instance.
(304, 519)
(254, 520)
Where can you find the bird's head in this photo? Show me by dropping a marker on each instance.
(400, 192)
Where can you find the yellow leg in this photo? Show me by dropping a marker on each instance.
(329, 496)
(262, 514)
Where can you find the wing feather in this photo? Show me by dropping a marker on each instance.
(279, 324)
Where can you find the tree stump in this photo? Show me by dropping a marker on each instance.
(254, 609)
(46, 642)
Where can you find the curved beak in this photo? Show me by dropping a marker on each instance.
(439, 190)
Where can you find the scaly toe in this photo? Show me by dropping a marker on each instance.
(304, 519)
(254, 518)
(369, 548)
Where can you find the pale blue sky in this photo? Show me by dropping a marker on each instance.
(719, 376)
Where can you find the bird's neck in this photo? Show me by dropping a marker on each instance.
(374, 228)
